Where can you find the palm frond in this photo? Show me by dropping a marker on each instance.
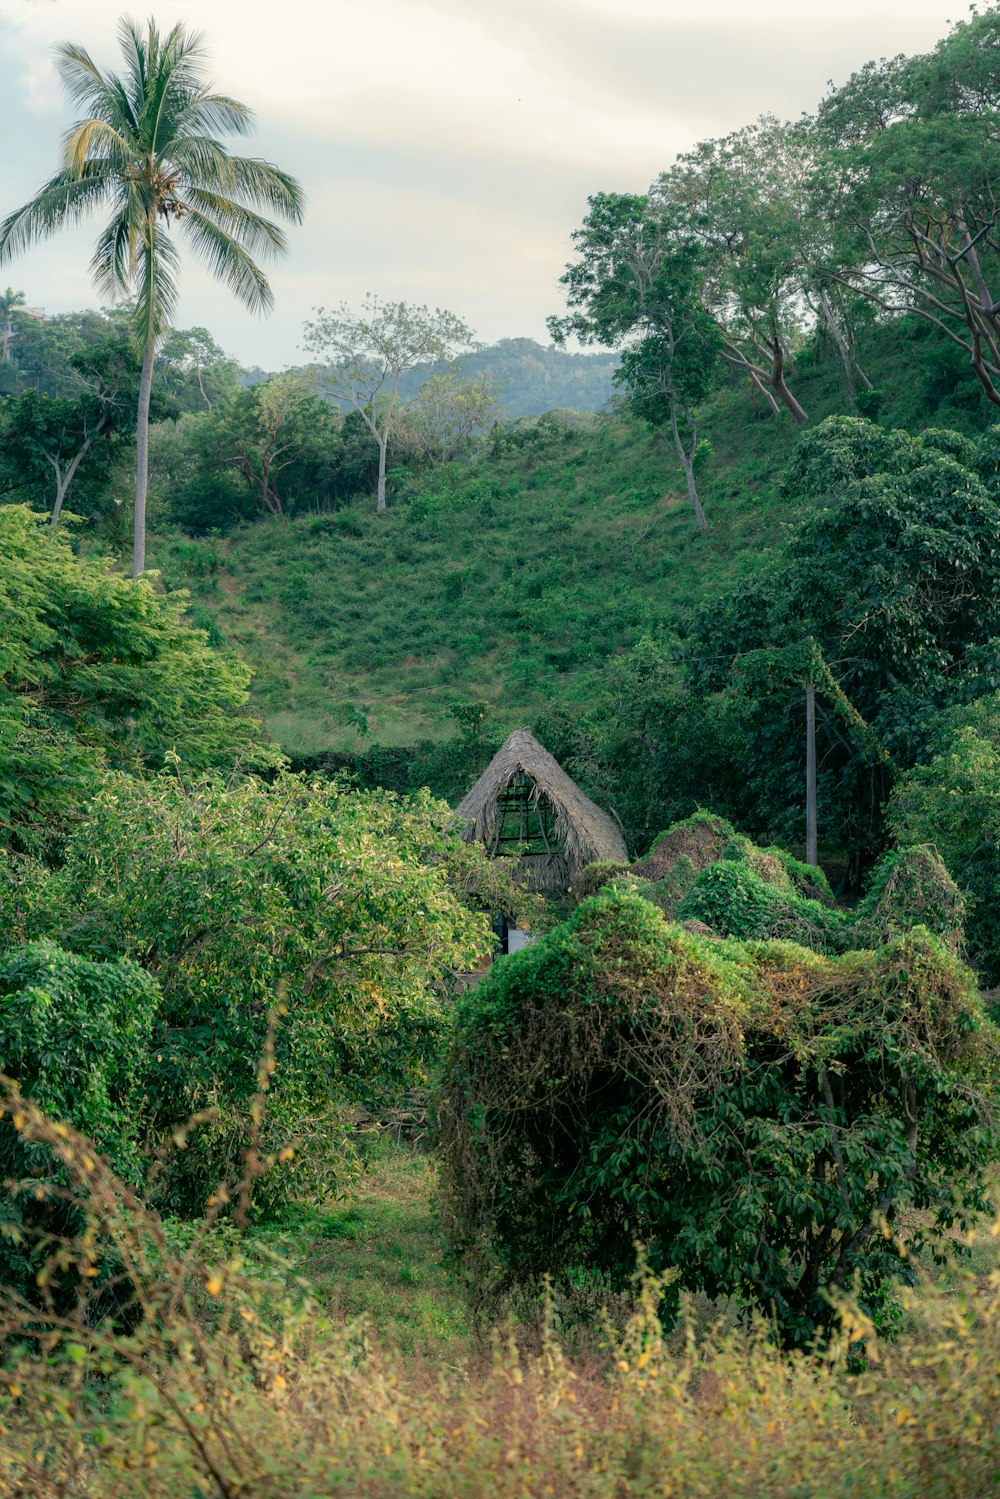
(104, 96)
(199, 158)
(96, 140)
(155, 276)
(82, 78)
(65, 198)
(229, 261)
(117, 252)
(263, 185)
(147, 142)
(175, 77)
(211, 112)
(135, 50)
(257, 235)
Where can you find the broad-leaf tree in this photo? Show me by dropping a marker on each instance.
(636, 286)
(894, 574)
(447, 412)
(196, 370)
(264, 432)
(742, 199)
(911, 177)
(98, 674)
(367, 353)
(147, 149)
(45, 440)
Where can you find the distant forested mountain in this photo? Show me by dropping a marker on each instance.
(529, 378)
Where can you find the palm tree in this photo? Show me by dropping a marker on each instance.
(147, 147)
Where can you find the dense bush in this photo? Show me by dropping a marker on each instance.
(98, 672)
(750, 894)
(953, 800)
(734, 900)
(752, 1112)
(75, 1037)
(346, 911)
(910, 887)
(878, 575)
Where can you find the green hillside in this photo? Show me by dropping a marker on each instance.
(513, 578)
(509, 580)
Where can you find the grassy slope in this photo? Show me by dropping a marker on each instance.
(511, 581)
(515, 578)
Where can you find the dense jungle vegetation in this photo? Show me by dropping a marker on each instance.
(302, 1194)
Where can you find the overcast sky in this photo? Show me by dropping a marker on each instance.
(447, 147)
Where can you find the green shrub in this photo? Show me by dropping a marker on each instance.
(751, 1112)
(734, 900)
(75, 1036)
(910, 887)
(98, 672)
(346, 911)
(953, 802)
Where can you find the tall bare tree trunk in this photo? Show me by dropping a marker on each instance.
(383, 443)
(778, 385)
(142, 462)
(850, 368)
(686, 455)
(64, 480)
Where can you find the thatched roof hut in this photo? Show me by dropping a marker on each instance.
(525, 799)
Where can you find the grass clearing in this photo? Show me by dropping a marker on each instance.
(378, 1256)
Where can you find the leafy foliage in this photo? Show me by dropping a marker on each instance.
(274, 448)
(365, 354)
(750, 1112)
(97, 674)
(954, 800)
(880, 577)
(734, 900)
(75, 1037)
(345, 911)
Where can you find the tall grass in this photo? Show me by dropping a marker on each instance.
(204, 1378)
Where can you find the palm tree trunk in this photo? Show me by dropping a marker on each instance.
(142, 462)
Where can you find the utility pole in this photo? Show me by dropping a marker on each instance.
(812, 852)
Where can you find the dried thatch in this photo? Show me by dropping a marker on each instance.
(582, 832)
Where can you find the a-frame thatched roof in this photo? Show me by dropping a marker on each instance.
(582, 832)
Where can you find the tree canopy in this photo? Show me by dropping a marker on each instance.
(96, 674)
